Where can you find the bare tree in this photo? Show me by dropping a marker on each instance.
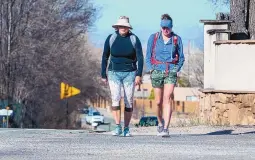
(44, 43)
(242, 12)
(238, 14)
(197, 70)
(251, 26)
(192, 74)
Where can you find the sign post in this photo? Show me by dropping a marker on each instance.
(67, 91)
(7, 123)
(4, 122)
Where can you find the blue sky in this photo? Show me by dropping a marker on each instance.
(145, 18)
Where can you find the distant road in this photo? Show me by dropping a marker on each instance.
(20, 144)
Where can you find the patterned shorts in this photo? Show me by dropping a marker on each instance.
(116, 81)
(158, 78)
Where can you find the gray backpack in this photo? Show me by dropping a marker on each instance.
(114, 35)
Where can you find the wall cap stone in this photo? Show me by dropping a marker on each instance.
(234, 42)
(212, 22)
(213, 31)
(226, 91)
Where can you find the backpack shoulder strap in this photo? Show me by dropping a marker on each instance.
(114, 35)
(154, 43)
(133, 40)
(112, 39)
(175, 60)
(175, 40)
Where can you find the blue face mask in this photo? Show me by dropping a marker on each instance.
(166, 23)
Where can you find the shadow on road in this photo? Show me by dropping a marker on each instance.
(228, 132)
(223, 132)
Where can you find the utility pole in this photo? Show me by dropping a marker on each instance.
(189, 61)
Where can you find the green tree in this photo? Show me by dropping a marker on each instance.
(152, 95)
(183, 82)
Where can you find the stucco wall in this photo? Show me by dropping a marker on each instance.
(209, 53)
(234, 66)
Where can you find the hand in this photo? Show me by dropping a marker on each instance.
(104, 80)
(138, 80)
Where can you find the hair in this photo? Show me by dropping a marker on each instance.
(166, 16)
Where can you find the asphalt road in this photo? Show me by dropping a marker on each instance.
(22, 144)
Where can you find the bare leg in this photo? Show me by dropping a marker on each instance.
(159, 100)
(116, 114)
(168, 90)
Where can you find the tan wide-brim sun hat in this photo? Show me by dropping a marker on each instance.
(123, 21)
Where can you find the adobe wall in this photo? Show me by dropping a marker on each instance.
(227, 108)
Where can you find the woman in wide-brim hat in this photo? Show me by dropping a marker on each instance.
(122, 22)
(124, 49)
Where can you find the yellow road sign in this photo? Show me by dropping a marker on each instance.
(67, 91)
